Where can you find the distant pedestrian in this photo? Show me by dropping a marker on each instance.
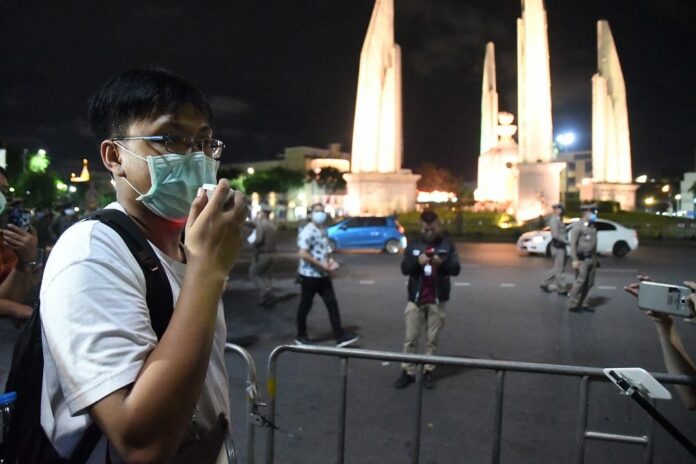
(263, 258)
(555, 280)
(314, 273)
(583, 252)
(65, 219)
(428, 262)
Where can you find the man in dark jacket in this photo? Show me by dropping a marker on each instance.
(429, 262)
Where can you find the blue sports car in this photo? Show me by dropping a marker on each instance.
(381, 233)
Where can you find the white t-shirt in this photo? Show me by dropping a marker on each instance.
(314, 240)
(97, 333)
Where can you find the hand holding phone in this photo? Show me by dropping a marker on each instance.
(665, 299)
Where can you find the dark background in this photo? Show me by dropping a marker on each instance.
(284, 73)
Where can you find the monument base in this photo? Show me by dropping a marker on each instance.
(538, 188)
(380, 194)
(624, 194)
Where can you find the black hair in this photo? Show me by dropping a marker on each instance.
(428, 216)
(141, 94)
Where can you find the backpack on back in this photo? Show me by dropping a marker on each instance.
(27, 439)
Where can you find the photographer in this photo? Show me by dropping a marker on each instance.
(677, 361)
(429, 262)
(17, 261)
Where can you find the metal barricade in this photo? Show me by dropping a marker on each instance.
(585, 374)
(253, 416)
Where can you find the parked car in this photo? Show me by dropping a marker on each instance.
(612, 238)
(373, 232)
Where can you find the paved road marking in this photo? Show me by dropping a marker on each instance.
(462, 284)
(366, 282)
(507, 285)
(627, 271)
(606, 287)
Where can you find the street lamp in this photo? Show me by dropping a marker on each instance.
(250, 171)
(565, 139)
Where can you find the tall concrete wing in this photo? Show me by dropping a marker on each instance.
(535, 133)
(377, 130)
(489, 101)
(611, 146)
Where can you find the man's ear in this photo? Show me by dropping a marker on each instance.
(111, 158)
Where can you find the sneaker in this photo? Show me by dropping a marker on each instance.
(428, 380)
(346, 339)
(404, 380)
(588, 309)
(303, 340)
(574, 309)
(545, 288)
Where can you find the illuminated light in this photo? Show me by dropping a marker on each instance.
(41, 152)
(28, 192)
(302, 197)
(565, 139)
(586, 181)
(84, 175)
(39, 162)
(436, 197)
(63, 187)
(12, 189)
(72, 189)
(642, 179)
(317, 170)
(650, 201)
(678, 196)
(76, 209)
(250, 171)
(665, 188)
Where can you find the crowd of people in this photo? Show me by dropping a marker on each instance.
(160, 398)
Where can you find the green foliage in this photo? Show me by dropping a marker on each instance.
(41, 185)
(39, 162)
(279, 180)
(435, 178)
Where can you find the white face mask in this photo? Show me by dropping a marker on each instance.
(318, 217)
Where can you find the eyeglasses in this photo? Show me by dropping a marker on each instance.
(182, 144)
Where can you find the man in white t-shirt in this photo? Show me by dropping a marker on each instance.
(153, 400)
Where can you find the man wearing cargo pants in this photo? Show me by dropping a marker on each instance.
(555, 280)
(583, 252)
(429, 263)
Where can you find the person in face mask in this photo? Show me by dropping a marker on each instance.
(583, 253)
(428, 262)
(157, 400)
(314, 273)
(17, 261)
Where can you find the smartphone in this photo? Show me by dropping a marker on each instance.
(19, 217)
(665, 298)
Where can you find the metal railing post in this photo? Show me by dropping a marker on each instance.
(648, 451)
(271, 388)
(252, 394)
(498, 415)
(343, 387)
(582, 419)
(418, 412)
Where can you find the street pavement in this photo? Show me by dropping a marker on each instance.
(497, 312)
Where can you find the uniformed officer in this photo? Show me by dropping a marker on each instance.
(555, 280)
(583, 252)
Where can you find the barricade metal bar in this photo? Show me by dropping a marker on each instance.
(585, 373)
(251, 398)
(498, 418)
(343, 385)
(643, 440)
(582, 419)
(415, 458)
(648, 453)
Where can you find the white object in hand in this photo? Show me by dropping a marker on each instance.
(427, 269)
(210, 189)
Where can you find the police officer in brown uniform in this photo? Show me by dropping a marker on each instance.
(555, 280)
(583, 252)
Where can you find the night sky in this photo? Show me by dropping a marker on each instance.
(284, 73)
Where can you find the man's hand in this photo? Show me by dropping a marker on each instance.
(214, 230)
(422, 259)
(16, 311)
(576, 264)
(23, 242)
(436, 261)
(692, 298)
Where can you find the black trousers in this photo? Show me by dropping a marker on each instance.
(310, 287)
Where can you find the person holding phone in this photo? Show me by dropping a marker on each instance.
(677, 360)
(18, 260)
(428, 262)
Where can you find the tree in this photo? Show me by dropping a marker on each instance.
(277, 179)
(41, 187)
(329, 178)
(435, 178)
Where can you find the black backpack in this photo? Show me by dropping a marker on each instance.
(27, 440)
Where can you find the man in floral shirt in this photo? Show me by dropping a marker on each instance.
(314, 271)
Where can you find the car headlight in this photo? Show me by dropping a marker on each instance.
(537, 239)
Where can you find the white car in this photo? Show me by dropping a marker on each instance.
(612, 238)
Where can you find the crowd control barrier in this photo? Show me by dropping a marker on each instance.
(585, 375)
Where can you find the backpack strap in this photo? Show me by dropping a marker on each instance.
(158, 296)
(159, 292)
